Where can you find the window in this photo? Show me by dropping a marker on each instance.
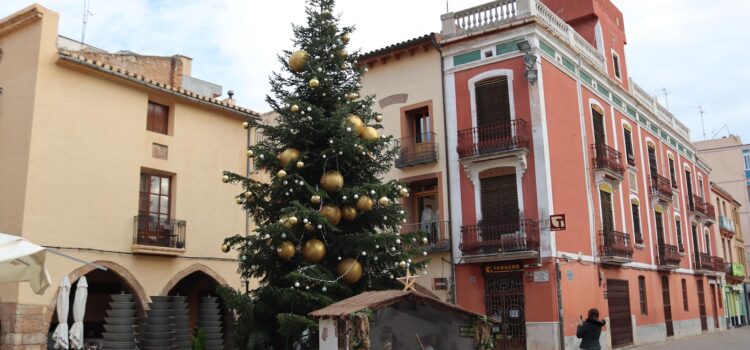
(684, 295)
(259, 137)
(616, 64)
(492, 101)
(652, 165)
(747, 161)
(642, 294)
(700, 187)
(678, 226)
(608, 222)
(157, 119)
(629, 147)
(154, 196)
(421, 124)
(672, 175)
(637, 223)
(708, 243)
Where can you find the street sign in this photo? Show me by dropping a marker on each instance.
(557, 222)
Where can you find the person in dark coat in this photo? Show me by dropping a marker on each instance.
(590, 330)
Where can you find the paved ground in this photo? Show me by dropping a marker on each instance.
(738, 338)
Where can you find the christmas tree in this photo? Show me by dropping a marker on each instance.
(327, 225)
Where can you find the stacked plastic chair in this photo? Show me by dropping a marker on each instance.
(209, 320)
(180, 322)
(119, 324)
(157, 330)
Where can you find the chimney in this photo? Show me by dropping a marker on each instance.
(181, 65)
(230, 99)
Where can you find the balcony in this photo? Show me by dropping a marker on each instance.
(616, 248)
(157, 236)
(437, 232)
(493, 139)
(734, 273)
(669, 257)
(699, 208)
(717, 263)
(607, 163)
(661, 189)
(497, 241)
(710, 214)
(416, 150)
(703, 263)
(726, 227)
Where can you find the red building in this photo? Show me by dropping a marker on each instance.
(541, 120)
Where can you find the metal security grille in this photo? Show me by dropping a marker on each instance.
(618, 300)
(505, 302)
(667, 306)
(492, 101)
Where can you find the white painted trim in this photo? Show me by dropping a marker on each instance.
(616, 144)
(644, 155)
(487, 75)
(454, 167)
(586, 168)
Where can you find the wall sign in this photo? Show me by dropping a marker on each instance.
(541, 276)
(557, 222)
(500, 268)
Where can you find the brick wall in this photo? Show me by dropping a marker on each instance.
(23, 327)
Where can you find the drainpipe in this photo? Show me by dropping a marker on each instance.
(558, 274)
(436, 45)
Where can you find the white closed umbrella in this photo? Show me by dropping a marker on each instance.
(79, 309)
(21, 260)
(61, 332)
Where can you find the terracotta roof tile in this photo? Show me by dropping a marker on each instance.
(123, 73)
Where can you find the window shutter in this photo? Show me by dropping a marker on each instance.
(653, 167)
(608, 224)
(659, 229)
(157, 118)
(492, 101)
(499, 201)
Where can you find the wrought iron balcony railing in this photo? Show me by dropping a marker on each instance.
(661, 187)
(697, 204)
(489, 237)
(726, 225)
(703, 261)
(492, 139)
(157, 232)
(616, 245)
(607, 158)
(669, 255)
(418, 149)
(438, 233)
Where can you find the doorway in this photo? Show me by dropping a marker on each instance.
(618, 301)
(702, 306)
(667, 306)
(504, 301)
(713, 304)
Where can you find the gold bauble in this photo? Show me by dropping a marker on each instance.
(309, 226)
(298, 61)
(350, 270)
(403, 192)
(332, 181)
(345, 38)
(240, 200)
(245, 125)
(314, 251)
(402, 265)
(348, 213)
(343, 53)
(384, 201)
(294, 109)
(379, 118)
(325, 13)
(353, 96)
(225, 248)
(288, 155)
(314, 83)
(248, 194)
(225, 179)
(332, 213)
(285, 250)
(425, 240)
(315, 199)
(281, 173)
(300, 164)
(292, 221)
(365, 203)
(357, 125)
(369, 133)
(250, 153)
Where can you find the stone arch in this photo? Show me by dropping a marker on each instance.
(189, 270)
(140, 296)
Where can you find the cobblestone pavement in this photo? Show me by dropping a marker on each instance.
(737, 338)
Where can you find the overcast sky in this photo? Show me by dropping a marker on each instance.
(696, 49)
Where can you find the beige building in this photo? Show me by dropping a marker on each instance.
(413, 115)
(731, 241)
(115, 159)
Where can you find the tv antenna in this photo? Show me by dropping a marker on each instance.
(86, 14)
(703, 125)
(724, 127)
(665, 93)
